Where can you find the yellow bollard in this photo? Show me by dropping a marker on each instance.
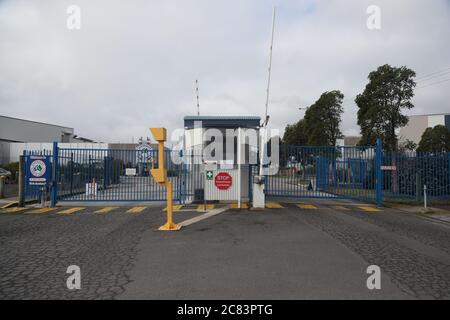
(170, 225)
(160, 176)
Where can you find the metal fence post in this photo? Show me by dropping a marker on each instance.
(379, 173)
(54, 185)
(179, 175)
(22, 181)
(2, 187)
(425, 196)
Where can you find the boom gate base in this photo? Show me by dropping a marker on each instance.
(170, 227)
(259, 200)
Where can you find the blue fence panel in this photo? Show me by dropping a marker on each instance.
(405, 174)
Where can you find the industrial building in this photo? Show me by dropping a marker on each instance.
(14, 131)
(419, 123)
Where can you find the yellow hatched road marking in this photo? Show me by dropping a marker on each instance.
(41, 210)
(71, 210)
(273, 205)
(136, 209)
(106, 210)
(12, 210)
(176, 207)
(306, 206)
(203, 207)
(244, 205)
(9, 204)
(370, 209)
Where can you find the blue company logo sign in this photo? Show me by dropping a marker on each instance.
(144, 153)
(38, 170)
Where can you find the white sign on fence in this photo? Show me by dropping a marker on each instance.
(130, 171)
(388, 168)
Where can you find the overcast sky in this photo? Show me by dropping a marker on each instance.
(133, 64)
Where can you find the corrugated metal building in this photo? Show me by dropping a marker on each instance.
(14, 130)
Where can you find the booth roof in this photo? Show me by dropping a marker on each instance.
(223, 121)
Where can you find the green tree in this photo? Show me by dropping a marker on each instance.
(407, 145)
(389, 91)
(322, 119)
(435, 140)
(295, 133)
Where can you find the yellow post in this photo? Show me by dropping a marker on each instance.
(160, 176)
(170, 225)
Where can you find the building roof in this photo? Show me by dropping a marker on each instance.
(223, 121)
(44, 123)
(430, 114)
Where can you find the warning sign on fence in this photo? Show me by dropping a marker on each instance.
(223, 181)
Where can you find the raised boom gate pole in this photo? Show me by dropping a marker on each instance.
(160, 176)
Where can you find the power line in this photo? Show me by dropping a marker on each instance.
(434, 77)
(432, 74)
(434, 83)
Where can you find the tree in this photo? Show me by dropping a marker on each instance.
(435, 140)
(388, 92)
(407, 145)
(295, 134)
(322, 119)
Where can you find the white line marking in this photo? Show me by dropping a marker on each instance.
(203, 216)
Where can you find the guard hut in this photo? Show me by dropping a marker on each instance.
(220, 173)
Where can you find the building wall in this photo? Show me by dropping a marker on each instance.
(435, 120)
(4, 152)
(18, 130)
(10, 152)
(418, 124)
(414, 129)
(348, 141)
(194, 141)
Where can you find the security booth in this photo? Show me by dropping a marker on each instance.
(221, 151)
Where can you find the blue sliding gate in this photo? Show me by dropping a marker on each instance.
(113, 175)
(116, 175)
(363, 173)
(325, 172)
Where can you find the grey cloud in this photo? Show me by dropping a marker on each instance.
(133, 63)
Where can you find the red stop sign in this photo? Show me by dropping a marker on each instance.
(223, 181)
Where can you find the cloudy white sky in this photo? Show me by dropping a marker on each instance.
(133, 64)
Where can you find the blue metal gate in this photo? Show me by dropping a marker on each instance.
(80, 174)
(324, 172)
(112, 175)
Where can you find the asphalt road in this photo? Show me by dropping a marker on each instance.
(289, 253)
